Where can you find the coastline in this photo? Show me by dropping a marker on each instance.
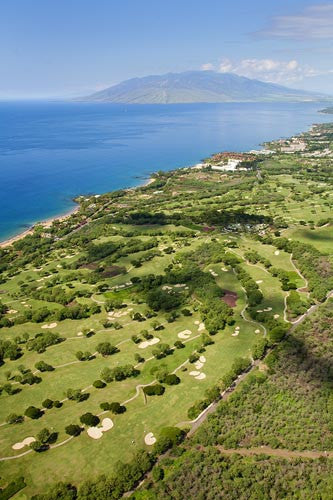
(45, 223)
(48, 222)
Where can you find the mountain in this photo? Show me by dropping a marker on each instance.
(197, 86)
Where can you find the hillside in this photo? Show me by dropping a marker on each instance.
(125, 324)
(197, 86)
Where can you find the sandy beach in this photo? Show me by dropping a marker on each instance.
(46, 223)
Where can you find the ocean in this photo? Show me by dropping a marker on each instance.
(51, 152)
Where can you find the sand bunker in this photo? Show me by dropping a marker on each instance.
(224, 269)
(258, 282)
(194, 373)
(277, 252)
(51, 325)
(119, 314)
(97, 432)
(268, 309)
(276, 316)
(185, 334)
(12, 311)
(198, 365)
(202, 359)
(257, 331)
(22, 444)
(201, 327)
(59, 266)
(147, 343)
(235, 334)
(213, 273)
(201, 376)
(79, 334)
(150, 439)
(197, 322)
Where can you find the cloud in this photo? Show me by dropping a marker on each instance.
(314, 22)
(207, 67)
(268, 70)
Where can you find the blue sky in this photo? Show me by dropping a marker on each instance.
(73, 47)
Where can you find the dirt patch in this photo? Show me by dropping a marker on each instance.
(111, 271)
(303, 290)
(230, 298)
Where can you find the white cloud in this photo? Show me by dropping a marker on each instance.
(314, 22)
(207, 67)
(268, 70)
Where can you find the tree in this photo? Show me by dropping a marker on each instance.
(172, 379)
(99, 384)
(89, 419)
(13, 418)
(117, 408)
(43, 367)
(106, 349)
(73, 430)
(44, 435)
(33, 412)
(47, 403)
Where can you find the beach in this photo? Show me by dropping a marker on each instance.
(46, 224)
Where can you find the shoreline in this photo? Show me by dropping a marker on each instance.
(46, 223)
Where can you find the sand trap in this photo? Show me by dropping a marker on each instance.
(94, 432)
(224, 269)
(119, 314)
(237, 328)
(79, 334)
(147, 343)
(257, 331)
(26, 305)
(235, 334)
(22, 444)
(258, 282)
(197, 322)
(41, 279)
(276, 316)
(194, 373)
(185, 334)
(23, 302)
(97, 432)
(277, 252)
(202, 359)
(201, 376)
(201, 327)
(259, 310)
(68, 256)
(150, 439)
(198, 365)
(59, 266)
(39, 287)
(12, 311)
(268, 309)
(213, 273)
(51, 325)
(107, 424)
(166, 287)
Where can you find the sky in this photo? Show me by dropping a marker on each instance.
(66, 48)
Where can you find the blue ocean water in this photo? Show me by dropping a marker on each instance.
(52, 151)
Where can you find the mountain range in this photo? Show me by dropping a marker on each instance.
(198, 86)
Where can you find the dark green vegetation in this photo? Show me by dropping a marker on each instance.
(122, 324)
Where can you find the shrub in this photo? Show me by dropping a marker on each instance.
(57, 404)
(106, 349)
(43, 436)
(158, 473)
(43, 367)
